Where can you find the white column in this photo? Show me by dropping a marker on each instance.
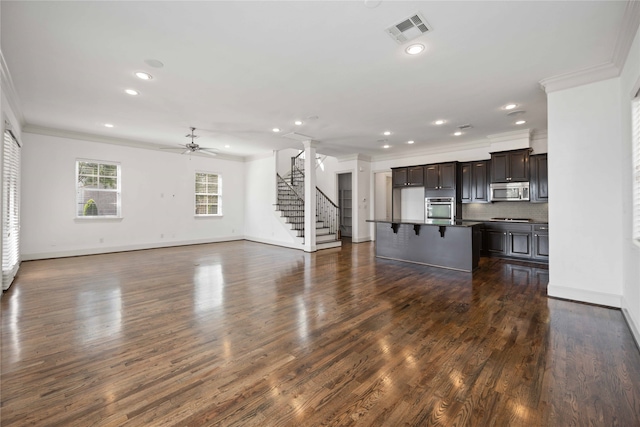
(310, 196)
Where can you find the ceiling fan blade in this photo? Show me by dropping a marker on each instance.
(187, 151)
(205, 151)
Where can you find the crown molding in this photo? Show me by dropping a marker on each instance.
(355, 156)
(581, 77)
(81, 136)
(606, 70)
(439, 149)
(628, 30)
(9, 90)
(510, 136)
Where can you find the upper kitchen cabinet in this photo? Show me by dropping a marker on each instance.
(539, 179)
(475, 181)
(510, 166)
(440, 176)
(410, 176)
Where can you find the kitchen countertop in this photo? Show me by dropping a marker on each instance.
(533, 221)
(458, 223)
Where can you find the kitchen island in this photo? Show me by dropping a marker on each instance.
(448, 244)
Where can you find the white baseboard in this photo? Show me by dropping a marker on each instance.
(125, 248)
(633, 326)
(290, 245)
(360, 239)
(599, 298)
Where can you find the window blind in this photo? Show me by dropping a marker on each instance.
(636, 169)
(10, 209)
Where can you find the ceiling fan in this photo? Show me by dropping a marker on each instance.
(192, 147)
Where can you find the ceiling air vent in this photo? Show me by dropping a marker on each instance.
(409, 29)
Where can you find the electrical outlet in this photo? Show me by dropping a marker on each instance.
(162, 236)
(101, 240)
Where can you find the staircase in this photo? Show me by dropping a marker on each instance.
(291, 207)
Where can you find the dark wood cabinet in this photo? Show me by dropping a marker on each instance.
(399, 177)
(541, 242)
(539, 179)
(495, 241)
(510, 166)
(409, 176)
(519, 243)
(475, 181)
(516, 240)
(440, 176)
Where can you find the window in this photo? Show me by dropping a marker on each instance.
(208, 194)
(10, 209)
(635, 119)
(97, 189)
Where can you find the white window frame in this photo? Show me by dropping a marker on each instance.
(117, 190)
(635, 143)
(10, 206)
(195, 194)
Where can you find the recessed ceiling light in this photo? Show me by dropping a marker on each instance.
(458, 133)
(410, 142)
(227, 146)
(154, 63)
(510, 106)
(132, 92)
(414, 49)
(439, 122)
(276, 129)
(144, 76)
(386, 133)
(521, 122)
(108, 125)
(298, 122)
(386, 146)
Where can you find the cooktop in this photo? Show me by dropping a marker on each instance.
(512, 219)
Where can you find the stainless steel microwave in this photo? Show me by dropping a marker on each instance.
(510, 191)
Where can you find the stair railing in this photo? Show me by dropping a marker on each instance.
(298, 208)
(297, 166)
(327, 211)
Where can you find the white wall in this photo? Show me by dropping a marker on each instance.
(157, 199)
(629, 85)
(585, 152)
(261, 221)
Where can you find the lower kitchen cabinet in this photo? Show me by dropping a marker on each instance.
(541, 242)
(496, 241)
(516, 240)
(519, 243)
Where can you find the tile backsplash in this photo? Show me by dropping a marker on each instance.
(485, 211)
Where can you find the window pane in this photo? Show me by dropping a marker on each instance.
(88, 168)
(108, 170)
(109, 183)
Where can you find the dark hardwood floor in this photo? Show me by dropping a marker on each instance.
(245, 334)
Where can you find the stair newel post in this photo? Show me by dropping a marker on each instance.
(309, 200)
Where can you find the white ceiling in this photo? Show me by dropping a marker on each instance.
(237, 69)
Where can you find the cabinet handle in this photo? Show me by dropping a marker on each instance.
(535, 235)
(504, 234)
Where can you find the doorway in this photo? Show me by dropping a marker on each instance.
(345, 202)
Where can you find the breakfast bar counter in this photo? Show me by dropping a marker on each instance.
(447, 244)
